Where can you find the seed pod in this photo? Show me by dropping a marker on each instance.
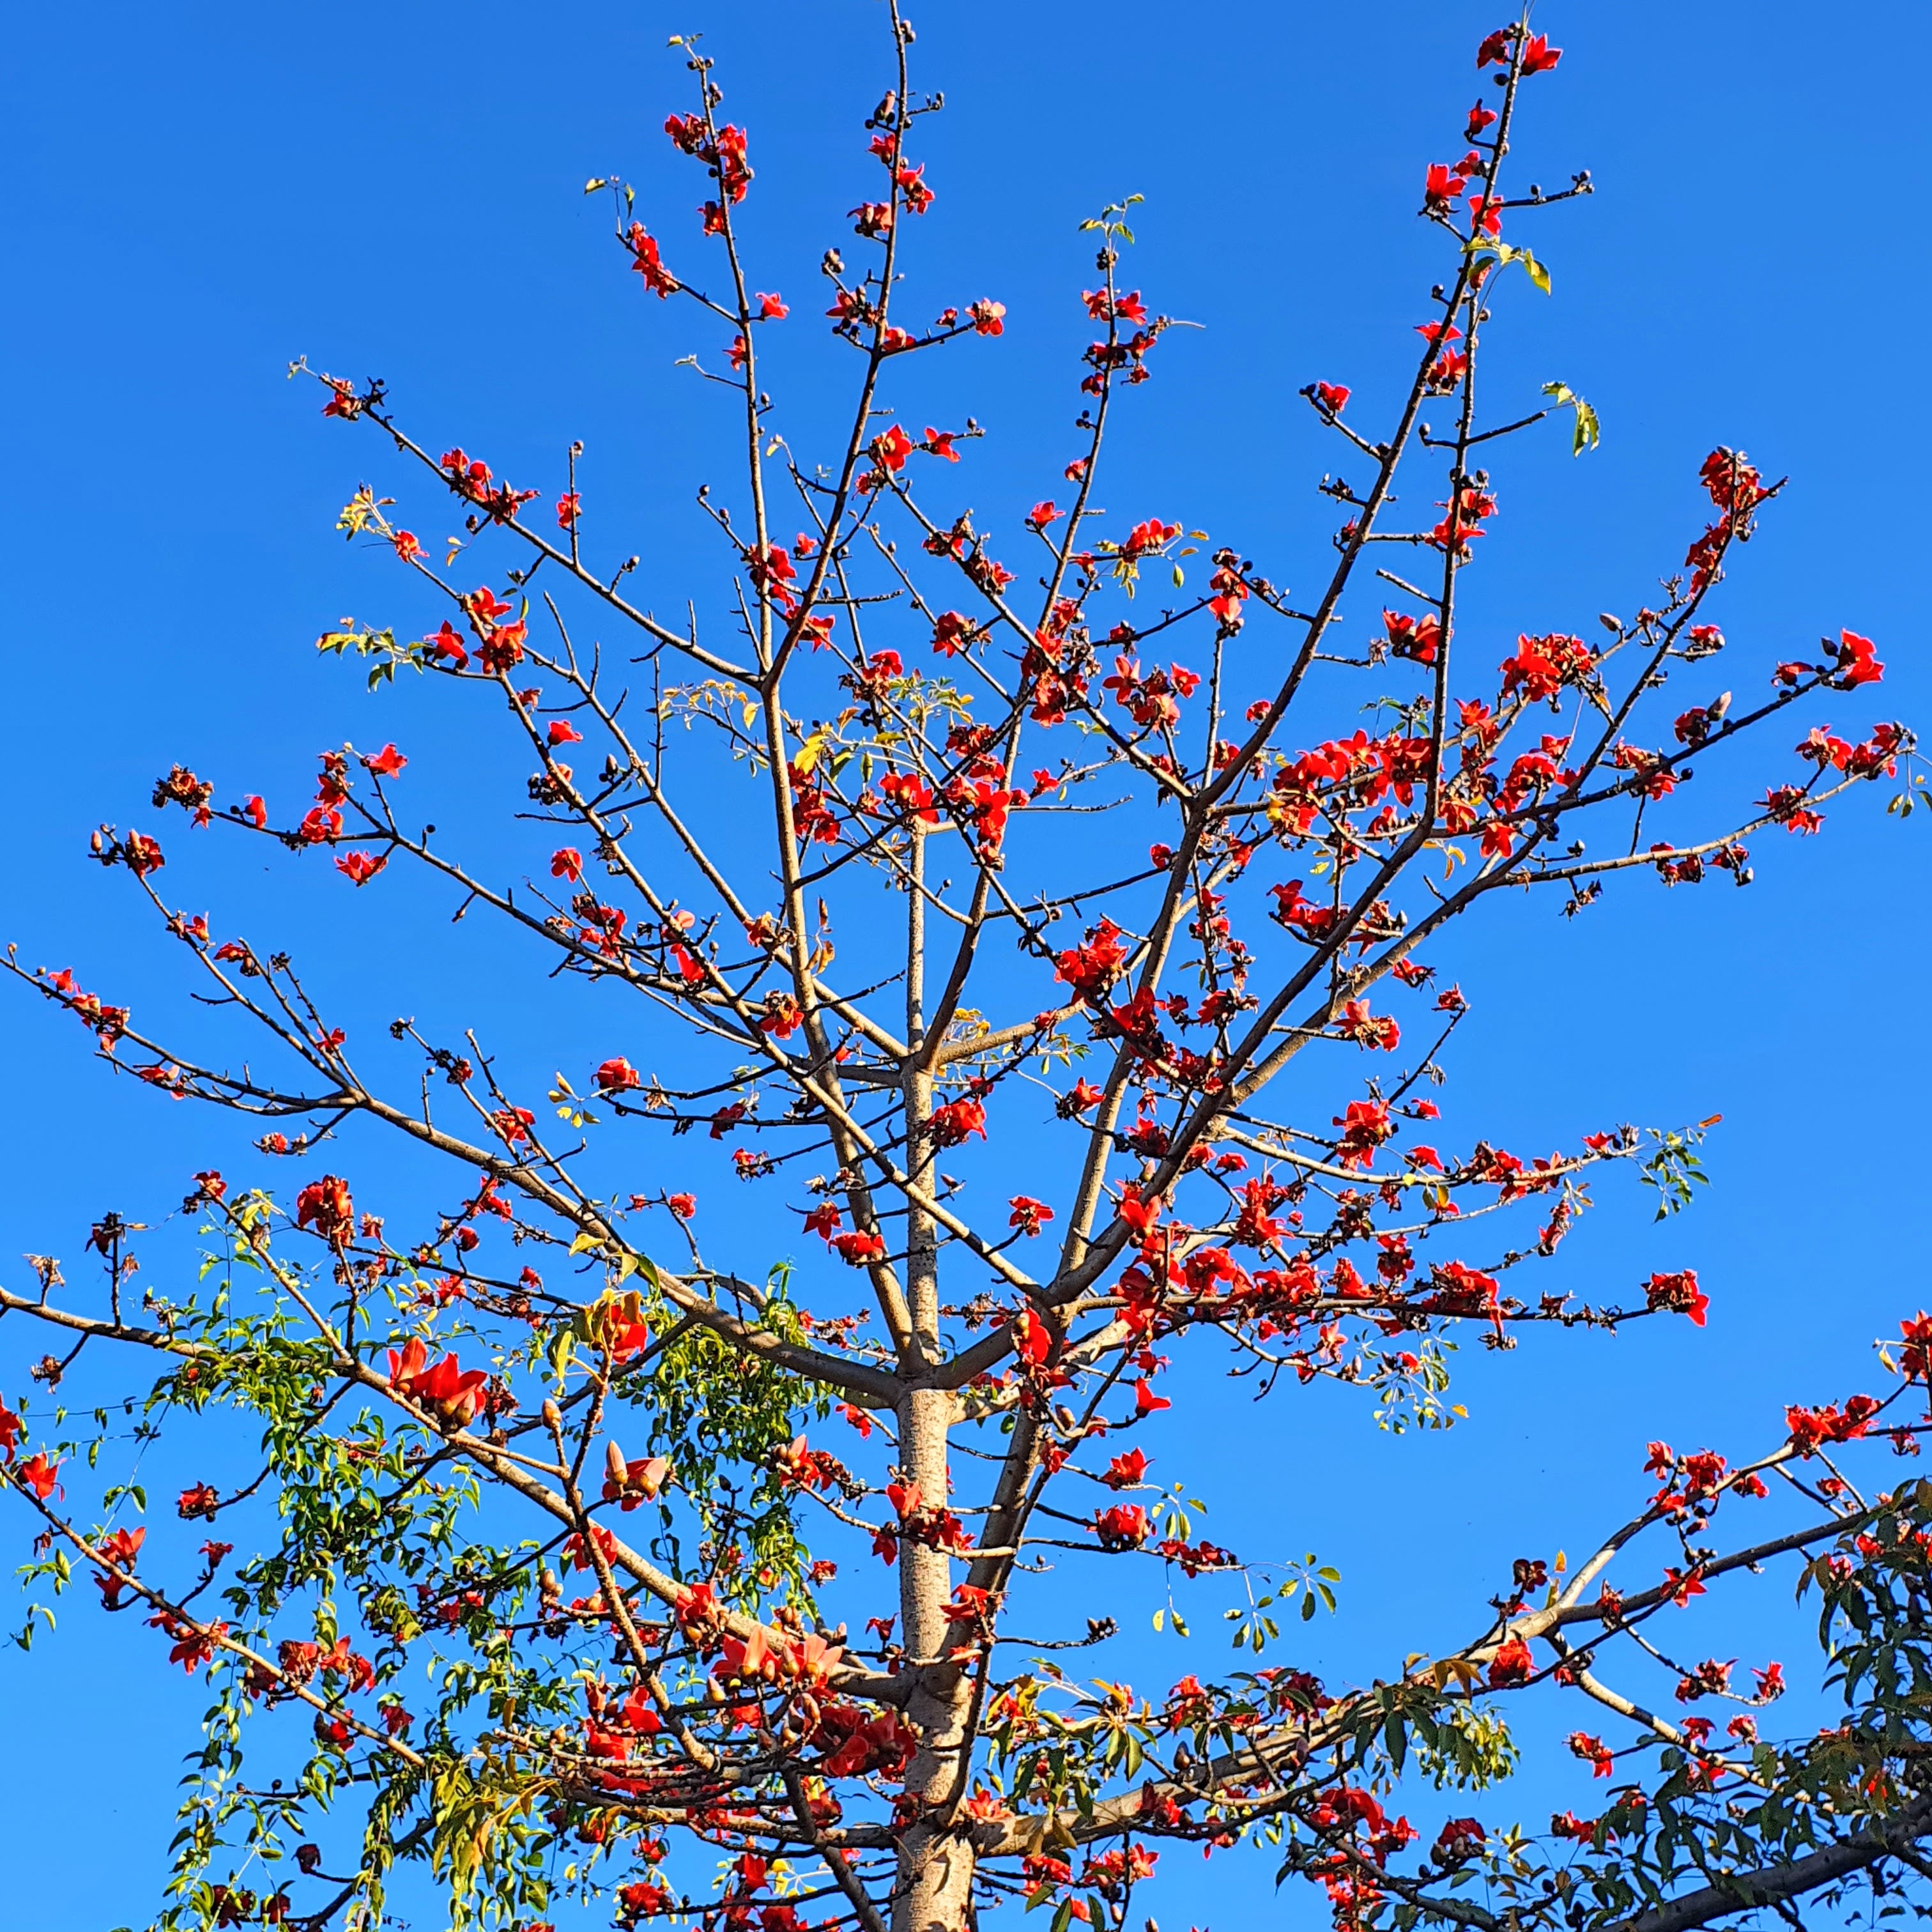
(553, 1417)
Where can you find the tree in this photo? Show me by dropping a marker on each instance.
(1056, 862)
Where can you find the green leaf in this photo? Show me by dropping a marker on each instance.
(1589, 430)
(1502, 254)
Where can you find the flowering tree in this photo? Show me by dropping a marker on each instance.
(572, 1446)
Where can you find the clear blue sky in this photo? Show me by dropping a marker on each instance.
(194, 196)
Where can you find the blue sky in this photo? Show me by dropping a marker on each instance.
(194, 197)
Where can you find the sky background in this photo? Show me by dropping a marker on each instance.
(194, 197)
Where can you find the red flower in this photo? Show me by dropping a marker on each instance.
(1511, 1664)
(1090, 967)
(1358, 1024)
(1032, 1337)
(1146, 537)
(1677, 1294)
(646, 261)
(1416, 638)
(1915, 1358)
(567, 862)
(1542, 666)
(1332, 396)
(1856, 663)
(1810, 1427)
(143, 855)
(1364, 1127)
(326, 1206)
(1458, 1840)
(953, 632)
(386, 764)
(628, 1483)
(1539, 56)
(644, 1898)
(562, 732)
(1124, 1526)
(449, 643)
(855, 1249)
(1028, 1214)
(617, 1076)
(359, 868)
(193, 1646)
(890, 449)
(447, 1388)
(1683, 1585)
(569, 507)
(782, 1016)
(954, 1124)
(39, 1474)
(911, 794)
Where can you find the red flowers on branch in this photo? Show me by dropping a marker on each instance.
(1139, 851)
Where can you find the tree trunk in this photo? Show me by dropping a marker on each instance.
(935, 1861)
(934, 1887)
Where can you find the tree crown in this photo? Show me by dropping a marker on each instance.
(1068, 827)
